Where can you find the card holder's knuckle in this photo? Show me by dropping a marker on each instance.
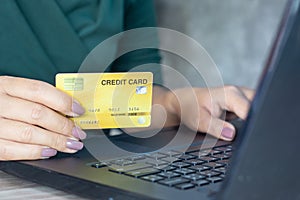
(3, 82)
(232, 89)
(26, 134)
(57, 142)
(65, 104)
(4, 153)
(3, 79)
(36, 112)
(34, 153)
(37, 88)
(66, 126)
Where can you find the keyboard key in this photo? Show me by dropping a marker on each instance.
(127, 168)
(192, 150)
(99, 165)
(152, 178)
(174, 181)
(170, 159)
(194, 177)
(155, 156)
(169, 174)
(214, 165)
(220, 156)
(157, 162)
(224, 149)
(180, 164)
(222, 170)
(201, 182)
(207, 152)
(171, 153)
(200, 154)
(165, 168)
(214, 179)
(122, 162)
(209, 173)
(223, 156)
(215, 152)
(142, 172)
(224, 162)
(228, 154)
(184, 171)
(187, 157)
(136, 157)
(185, 186)
(195, 162)
(209, 159)
(200, 168)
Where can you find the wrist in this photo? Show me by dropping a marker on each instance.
(168, 101)
(172, 106)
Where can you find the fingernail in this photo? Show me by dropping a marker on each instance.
(78, 133)
(74, 144)
(228, 133)
(48, 152)
(77, 108)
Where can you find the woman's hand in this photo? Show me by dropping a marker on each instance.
(32, 120)
(204, 109)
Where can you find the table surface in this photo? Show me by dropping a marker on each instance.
(12, 188)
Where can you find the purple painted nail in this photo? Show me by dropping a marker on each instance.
(77, 108)
(74, 144)
(228, 133)
(78, 133)
(48, 152)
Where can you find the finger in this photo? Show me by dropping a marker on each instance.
(29, 134)
(248, 93)
(215, 126)
(237, 102)
(37, 114)
(42, 93)
(10, 150)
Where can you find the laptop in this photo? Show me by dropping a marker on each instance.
(262, 163)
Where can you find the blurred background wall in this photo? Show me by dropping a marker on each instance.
(236, 33)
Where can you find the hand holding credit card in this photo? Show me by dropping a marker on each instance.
(111, 100)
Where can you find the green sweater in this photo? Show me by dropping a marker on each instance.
(40, 38)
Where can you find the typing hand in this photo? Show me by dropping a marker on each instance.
(32, 120)
(203, 109)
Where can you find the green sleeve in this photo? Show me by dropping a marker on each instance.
(139, 13)
(40, 38)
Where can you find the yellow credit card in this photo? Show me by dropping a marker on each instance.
(111, 100)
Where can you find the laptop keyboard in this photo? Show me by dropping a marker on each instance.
(175, 169)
